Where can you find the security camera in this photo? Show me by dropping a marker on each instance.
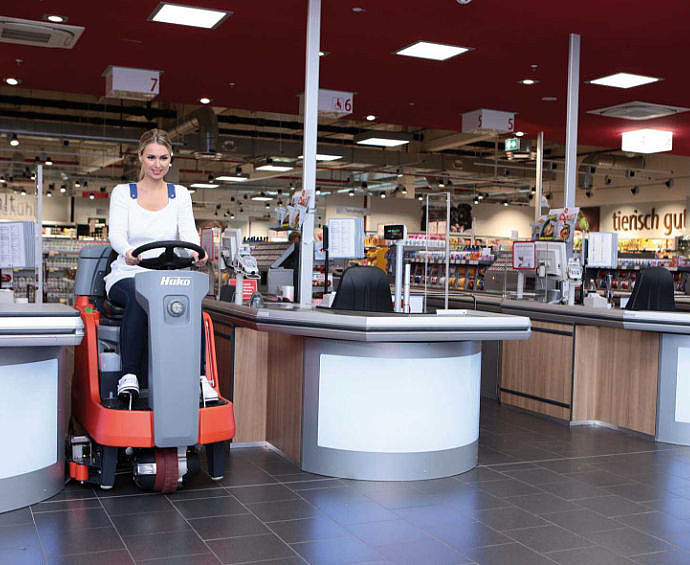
(588, 193)
(634, 190)
(669, 183)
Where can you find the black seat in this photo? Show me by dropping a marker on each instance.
(364, 289)
(112, 310)
(653, 290)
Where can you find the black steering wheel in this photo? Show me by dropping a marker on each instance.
(168, 259)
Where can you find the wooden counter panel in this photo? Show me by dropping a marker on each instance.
(541, 367)
(223, 337)
(616, 377)
(284, 406)
(250, 384)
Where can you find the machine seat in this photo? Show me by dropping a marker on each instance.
(112, 310)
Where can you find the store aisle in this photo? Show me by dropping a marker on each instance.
(543, 494)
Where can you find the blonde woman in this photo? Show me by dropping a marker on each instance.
(142, 212)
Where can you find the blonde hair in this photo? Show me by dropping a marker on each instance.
(159, 136)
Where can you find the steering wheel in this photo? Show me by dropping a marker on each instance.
(168, 259)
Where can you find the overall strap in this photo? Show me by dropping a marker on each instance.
(133, 190)
(171, 190)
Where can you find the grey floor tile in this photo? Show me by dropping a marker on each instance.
(72, 519)
(236, 525)
(639, 492)
(480, 474)
(263, 493)
(15, 517)
(676, 506)
(680, 539)
(170, 544)
(508, 518)
(568, 465)
(386, 533)
(572, 489)
(611, 505)
(81, 541)
(475, 500)
(358, 512)
(542, 503)
(210, 507)
(582, 521)
(202, 559)
(250, 548)
(18, 535)
(149, 523)
(466, 535)
(308, 529)
(135, 504)
(548, 538)
(408, 498)
(65, 505)
(656, 523)
(336, 551)
(629, 542)
(600, 478)
(534, 476)
(422, 552)
(507, 487)
(509, 554)
(25, 555)
(663, 558)
(429, 515)
(588, 556)
(283, 510)
(116, 557)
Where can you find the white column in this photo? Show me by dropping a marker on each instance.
(539, 185)
(571, 126)
(311, 94)
(38, 297)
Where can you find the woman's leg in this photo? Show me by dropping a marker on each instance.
(134, 325)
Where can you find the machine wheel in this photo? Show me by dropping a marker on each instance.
(166, 470)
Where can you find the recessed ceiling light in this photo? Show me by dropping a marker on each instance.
(433, 51)
(505, 203)
(382, 138)
(55, 18)
(324, 53)
(12, 81)
(236, 178)
(624, 80)
(204, 185)
(91, 196)
(647, 141)
(13, 140)
(49, 161)
(519, 133)
(262, 197)
(370, 117)
(169, 13)
(528, 81)
(205, 100)
(357, 10)
(548, 98)
(324, 157)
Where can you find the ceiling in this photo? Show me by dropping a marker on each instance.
(260, 49)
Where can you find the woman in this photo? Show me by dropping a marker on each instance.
(147, 211)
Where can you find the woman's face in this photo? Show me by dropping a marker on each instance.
(156, 161)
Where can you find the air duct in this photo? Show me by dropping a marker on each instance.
(206, 122)
(589, 165)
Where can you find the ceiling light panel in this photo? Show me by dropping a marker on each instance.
(624, 80)
(178, 14)
(433, 51)
(324, 157)
(233, 179)
(273, 167)
(204, 185)
(647, 141)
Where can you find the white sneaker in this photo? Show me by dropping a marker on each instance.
(208, 392)
(128, 384)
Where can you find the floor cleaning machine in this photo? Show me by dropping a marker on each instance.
(161, 432)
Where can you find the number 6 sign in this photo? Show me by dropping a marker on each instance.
(332, 103)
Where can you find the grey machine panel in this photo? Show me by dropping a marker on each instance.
(669, 425)
(174, 352)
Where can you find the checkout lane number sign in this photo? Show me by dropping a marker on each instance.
(524, 255)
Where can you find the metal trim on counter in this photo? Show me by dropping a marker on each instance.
(534, 397)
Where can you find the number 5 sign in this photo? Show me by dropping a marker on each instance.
(488, 121)
(332, 103)
(135, 84)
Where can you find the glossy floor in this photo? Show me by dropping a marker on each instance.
(543, 494)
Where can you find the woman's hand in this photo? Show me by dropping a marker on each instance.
(130, 259)
(199, 262)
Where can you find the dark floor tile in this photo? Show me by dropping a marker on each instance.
(639, 492)
(324, 497)
(65, 505)
(466, 535)
(301, 476)
(409, 498)
(359, 512)
(474, 500)
(681, 539)
(534, 476)
(15, 517)
(428, 515)
(217, 527)
(308, 529)
(149, 523)
(195, 494)
(123, 486)
(72, 519)
(510, 554)
(81, 541)
(25, 555)
(656, 523)
(283, 510)
(204, 559)
(508, 487)
(136, 503)
(548, 538)
(572, 489)
(18, 535)
(439, 486)
(629, 542)
(663, 558)
(246, 476)
(116, 557)
(568, 465)
(508, 518)
(480, 474)
(582, 521)
(611, 505)
(488, 456)
(336, 551)
(422, 553)
(674, 505)
(262, 493)
(170, 544)
(73, 491)
(599, 478)
(588, 556)
(318, 483)
(386, 533)
(542, 503)
(250, 548)
(210, 507)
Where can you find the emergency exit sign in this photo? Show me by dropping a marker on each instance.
(512, 144)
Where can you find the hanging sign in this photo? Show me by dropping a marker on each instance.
(134, 84)
(332, 103)
(524, 255)
(488, 121)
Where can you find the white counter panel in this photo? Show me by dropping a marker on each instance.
(683, 386)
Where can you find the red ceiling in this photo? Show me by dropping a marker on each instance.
(261, 49)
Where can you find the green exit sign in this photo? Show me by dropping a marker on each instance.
(512, 144)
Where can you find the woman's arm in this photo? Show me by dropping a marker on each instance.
(119, 221)
(186, 228)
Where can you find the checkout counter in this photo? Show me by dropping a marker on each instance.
(360, 395)
(33, 399)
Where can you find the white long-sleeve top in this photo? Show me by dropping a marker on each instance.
(130, 226)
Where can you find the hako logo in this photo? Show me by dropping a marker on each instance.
(175, 281)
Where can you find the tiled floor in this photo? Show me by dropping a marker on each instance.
(542, 494)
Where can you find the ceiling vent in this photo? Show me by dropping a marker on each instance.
(638, 111)
(38, 34)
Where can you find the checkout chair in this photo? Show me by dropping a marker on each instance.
(653, 290)
(364, 289)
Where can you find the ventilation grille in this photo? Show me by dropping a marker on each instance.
(638, 111)
(39, 34)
